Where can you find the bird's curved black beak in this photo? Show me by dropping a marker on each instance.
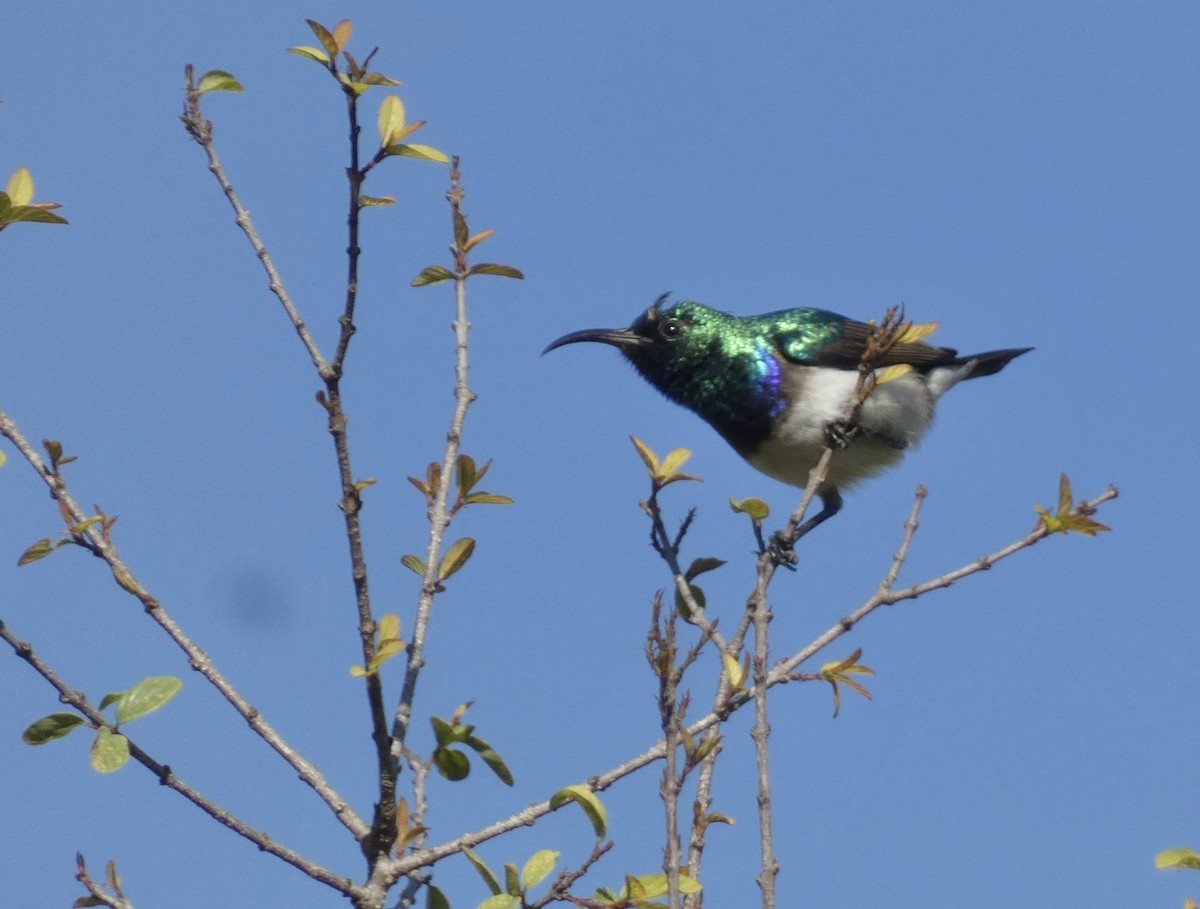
(622, 338)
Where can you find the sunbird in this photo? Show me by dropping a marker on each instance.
(777, 386)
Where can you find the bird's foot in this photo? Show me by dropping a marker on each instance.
(840, 433)
(783, 551)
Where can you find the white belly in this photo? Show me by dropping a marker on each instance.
(894, 418)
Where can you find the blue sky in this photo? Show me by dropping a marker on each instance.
(1024, 172)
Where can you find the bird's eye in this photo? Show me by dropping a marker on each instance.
(670, 329)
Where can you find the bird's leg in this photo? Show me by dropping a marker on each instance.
(782, 549)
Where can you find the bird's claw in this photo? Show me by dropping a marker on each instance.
(783, 551)
(840, 433)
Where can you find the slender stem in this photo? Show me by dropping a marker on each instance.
(97, 542)
(202, 131)
(168, 778)
(439, 512)
(761, 734)
(780, 673)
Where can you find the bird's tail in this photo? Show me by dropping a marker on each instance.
(990, 363)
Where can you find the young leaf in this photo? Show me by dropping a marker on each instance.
(452, 764)
(466, 474)
(110, 750)
(20, 187)
(147, 696)
(646, 453)
(51, 727)
(414, 564)
(434, 274)
(757, 509)
(324, 37)
(436, 899)
(914, 331)
(589, 802)
(487, 498)
(489, 756)
(1181, 857)
(501, 901)
(736, 671)
(1068, 519)
(217, 80)
(494, 268)
(376, 201)
(389, 626)
(341, 33)
(892, 373)
(538, 867)
(391, 119)
(700, 566)
(311, 53)
(456, 557)
(478, 238)
(489, 877)
(37, 552)
(424, 152)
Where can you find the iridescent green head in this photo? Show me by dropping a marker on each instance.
(721, 366)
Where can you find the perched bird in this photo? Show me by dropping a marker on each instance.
(777, 386)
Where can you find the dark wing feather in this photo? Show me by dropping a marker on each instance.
(845, 351)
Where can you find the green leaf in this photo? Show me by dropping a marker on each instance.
(456, 557)
(655, 885)
(501, 901)
(466, 474)
(494, 268)
(37, 552)
(389, 626)
(324, 36)
(20, 187)
(757, 509)
(490, 757)
(700, 566)
(434, 274)
(646, 453)
(391, 119)
(489, 877)
(452, 764)
(380, 79)
(34, 214)
(697, 596)
(588, 801)
(311, 53)
(538, 867)
(147, 696)
(435, 899)
(413, 150)
(376, 201)
(414, 563)
(111, 698)
(110, 750)
(1181, 857)
(488, 498)
(3, 459)
(51, 727)
(218, 80)
(512, 883)
(88, 901)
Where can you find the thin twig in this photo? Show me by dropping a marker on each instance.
(761, 734)
(168, 778)
(201, 130)
(96, 541)
(781, 673)
(439, 514)
(114, 900)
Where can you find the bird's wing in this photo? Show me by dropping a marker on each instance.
(845, 352)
